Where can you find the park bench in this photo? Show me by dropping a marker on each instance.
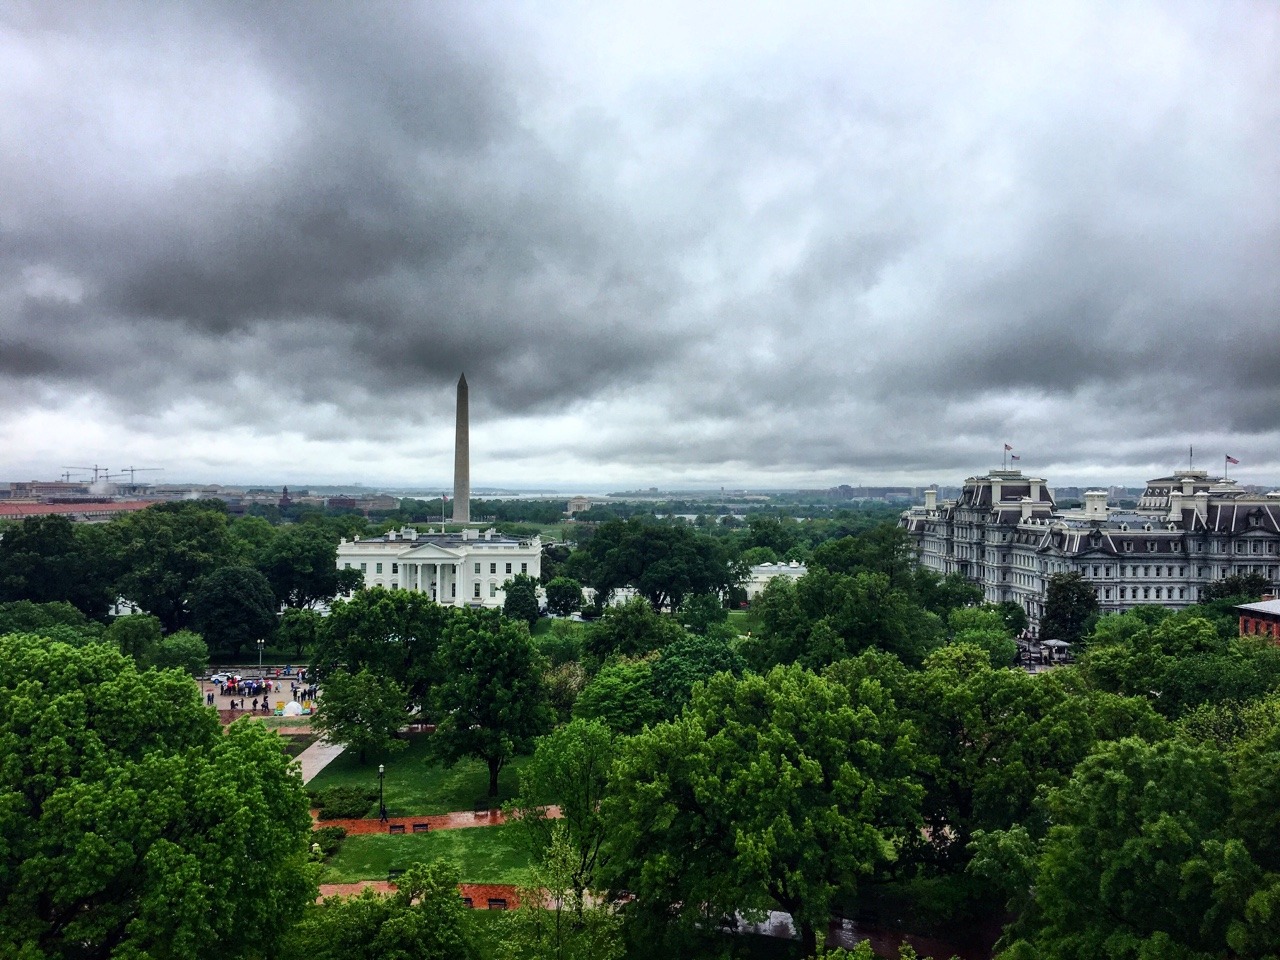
(396, 828)
(497, 903)
(421, 827)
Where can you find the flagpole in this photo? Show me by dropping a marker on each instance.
(1226, 472)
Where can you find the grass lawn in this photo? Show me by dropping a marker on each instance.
(417, 785)
(484, 854)
(294, 744)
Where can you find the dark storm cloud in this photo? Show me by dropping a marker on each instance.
(840, 241)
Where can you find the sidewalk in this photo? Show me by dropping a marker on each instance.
(318, 756)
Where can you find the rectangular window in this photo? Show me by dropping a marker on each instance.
(453, 589)
(524, 568)
(477, 591)
(364, 568)
(508, 568)
(493, 589)
(346, 566)
(477, 568)
(395, 568)
(378, 568)
(493, 568)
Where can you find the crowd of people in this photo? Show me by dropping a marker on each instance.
(259, 690)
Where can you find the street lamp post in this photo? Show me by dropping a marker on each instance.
(382, 807)
(262, 642)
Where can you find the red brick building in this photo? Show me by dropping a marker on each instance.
(1260, 619)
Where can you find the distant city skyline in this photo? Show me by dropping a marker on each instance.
(685, 245)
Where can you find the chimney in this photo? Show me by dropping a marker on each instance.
(931, 499)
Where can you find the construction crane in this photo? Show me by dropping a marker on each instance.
(132, 470)
(97, 470)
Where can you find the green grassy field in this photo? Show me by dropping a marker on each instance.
(416, 785)
(484, 854)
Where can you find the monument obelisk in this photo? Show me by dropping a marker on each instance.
(462, 458)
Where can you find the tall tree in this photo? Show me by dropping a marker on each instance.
(570, 768)
(564, 596)
(776, 791)
(490, 700)
(48, 559)
(394, 633)
(521, 601)
(301, 564)
(363, 711)
(132, 825)
(1070, 608)
(663, 561)
(164, 550)
(233, 608)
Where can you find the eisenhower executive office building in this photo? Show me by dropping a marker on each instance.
(1006, 534)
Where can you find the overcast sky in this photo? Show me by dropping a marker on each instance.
(672, 244)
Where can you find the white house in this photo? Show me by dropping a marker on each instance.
(459, 569)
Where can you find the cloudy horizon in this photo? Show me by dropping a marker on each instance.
(669, 245)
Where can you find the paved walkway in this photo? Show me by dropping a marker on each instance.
(318, 756)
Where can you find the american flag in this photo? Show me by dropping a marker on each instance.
(1007, 448)
(1231, 459)
(1014, 456)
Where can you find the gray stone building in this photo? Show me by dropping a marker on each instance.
(1006, 533)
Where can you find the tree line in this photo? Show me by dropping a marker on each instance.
(857, 743)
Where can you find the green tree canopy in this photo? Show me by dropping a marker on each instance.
(362, 710)
(490, 700)
(393, 633)
(47, 559)
(424, 919)
(301, 564)
(620, 696)
(233, 608)
(132, 825)
(521, 601)
(1070, 608)
(564, 596)
(1142, 862)
(165, 550)
(570, 768)
(663, 561)
(631, 629)
(775, 791)
(1243, 588)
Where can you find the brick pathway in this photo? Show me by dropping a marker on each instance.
(479, 893)
(459, 820)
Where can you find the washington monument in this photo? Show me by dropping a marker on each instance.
(462, 458)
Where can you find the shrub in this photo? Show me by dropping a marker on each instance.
(329, 839)
(344, 803)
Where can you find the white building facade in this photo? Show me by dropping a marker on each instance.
(1006, 534)
(457, 569)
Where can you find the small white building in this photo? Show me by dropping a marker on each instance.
(762, 573)
(458, 569)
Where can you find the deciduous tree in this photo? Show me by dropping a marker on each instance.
(564, 596)
(362, 710)
(521, 601)
(132, 825)
(490, 699)
(775, 791)
(233, 608)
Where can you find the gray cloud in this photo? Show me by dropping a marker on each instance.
(845, 244)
